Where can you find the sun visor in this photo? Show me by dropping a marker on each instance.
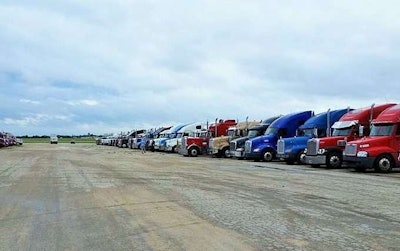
(344, 124)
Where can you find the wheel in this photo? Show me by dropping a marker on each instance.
(384, 163)
(334, 160)
(268, 155)
(301, 156)
(226, 152)
(193, 152)
(173, 149)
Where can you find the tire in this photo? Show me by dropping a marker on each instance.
(268, 155)
(226, 153)
(300, 157)
(384, 163)
(193, 152)
(334, 160)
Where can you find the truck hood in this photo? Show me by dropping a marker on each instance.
(329, 141)
(302, 140)
(266, 139)
(240, 140)
(371, 141)
(220, 139)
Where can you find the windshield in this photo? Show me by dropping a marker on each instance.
(307, 132)
(271, 131)
(381, 130)
(231, 133)
(342, 131)
(253, 133)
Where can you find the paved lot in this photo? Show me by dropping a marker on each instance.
(88, 197)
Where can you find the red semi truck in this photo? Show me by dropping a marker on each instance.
(198, 143)
(381, 149)
(329, 150)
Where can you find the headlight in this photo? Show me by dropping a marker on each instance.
(305, 150)
(362, 154)
(257, 150)
(321, 151)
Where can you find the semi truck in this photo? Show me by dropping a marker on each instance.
(155, 135)
(159, 143)
(381, 149)
(329, 150)
(199, 142)
(195, 144)
(264, 147)
(173, 144)
(291, 150)
(236, 145)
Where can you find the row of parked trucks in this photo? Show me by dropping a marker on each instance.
(362, 138)
(8, 139)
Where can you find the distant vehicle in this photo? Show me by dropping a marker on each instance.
(53, 139)
(20, 141)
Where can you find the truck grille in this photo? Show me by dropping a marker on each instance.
(211, 143)
(184, 143)
(247, 147)
(281, 146)
(350, 150)
(312, 147)
(232, 146)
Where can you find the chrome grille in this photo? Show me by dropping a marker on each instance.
(350, 150)
(232, 146)
(211, 143)
(184, 142)
(247, 147)
(312, 147)
(281, 146)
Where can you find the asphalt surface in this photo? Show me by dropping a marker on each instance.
(89, 197)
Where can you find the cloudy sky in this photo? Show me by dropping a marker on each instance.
(100, 66)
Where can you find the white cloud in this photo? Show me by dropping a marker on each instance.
(27, 101)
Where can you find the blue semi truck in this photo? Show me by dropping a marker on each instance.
(236, 146)
(291, 150)
(264, 147)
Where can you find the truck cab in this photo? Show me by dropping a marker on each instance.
(236, 145)
(329, 150)
(196, 143)
(173, 144)
(158, 133)
(291, 150)
(218, 143)
(381, 149)
(159, 143)
(264, 147)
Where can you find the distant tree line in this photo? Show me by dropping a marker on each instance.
(60, 136)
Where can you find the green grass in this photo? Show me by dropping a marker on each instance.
(61, 140)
